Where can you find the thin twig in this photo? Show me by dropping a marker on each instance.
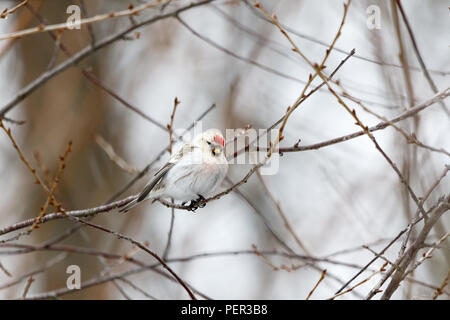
(87, 51)
(2, 267)
(359, 283)
(440, 290)
(142, 247)
(382, 125)
(50, 263)
(89, 26)
(176, 102)
(419, 57)
(115, 158)
(90, 75)
(7, 12)
(27, 286)
(51, 198)
(403, 262)
(97, 18)
(322, 276)
(74, 213)
(325, 44)
(282, 215)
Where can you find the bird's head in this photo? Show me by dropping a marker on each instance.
(211, 141)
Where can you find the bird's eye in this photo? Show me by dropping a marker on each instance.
(208, 142)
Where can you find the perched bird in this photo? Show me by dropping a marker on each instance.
(192, 173)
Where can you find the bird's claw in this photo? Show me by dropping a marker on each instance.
(195, 204)
(200, 199)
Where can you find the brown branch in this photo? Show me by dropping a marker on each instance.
(142, 247)
(89, 26)
(4, 270)
(396, 266)
(135, 287)
(42, 167)
(176, 102)
(394, 240)
(382, 125)
(410, 138)
(281, 213)
(426, 285)
(7, 12)
(285, 118)
(402, 55)
(113, 205)
(87, 51)
(419, 56)
(247, 147)
(38, 179)
(27, 286)
(21, 248)
(27, 248)
(109, 150)
(100, 280)
(322, 276)
(258, 64)
(90, 75)
(51, 199)
(50, 263)
(359, 283)
(406, 259)
(74, 213)
(101, 17)
(217, 196)
(427, 255)
(264, 259)
(324, 44)
(122, 202)
(409, 279)
(236, 56)
(440, 290)
(352, 112)
(13, 121)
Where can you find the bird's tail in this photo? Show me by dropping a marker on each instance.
(138, 200)
(129, 206)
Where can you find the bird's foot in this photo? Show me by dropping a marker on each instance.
(195, 204)
(200, 199)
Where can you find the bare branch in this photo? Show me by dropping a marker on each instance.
(322, 276)
(97, 18)
(87, 51)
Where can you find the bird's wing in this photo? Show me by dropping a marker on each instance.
(164, 169)
(158, 176)
(186, 148)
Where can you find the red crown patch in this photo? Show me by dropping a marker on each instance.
(219, 139)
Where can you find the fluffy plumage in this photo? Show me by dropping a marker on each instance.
(192, 173)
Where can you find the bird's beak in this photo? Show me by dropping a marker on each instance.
(217, 150)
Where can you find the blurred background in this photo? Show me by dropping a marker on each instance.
(335, 198)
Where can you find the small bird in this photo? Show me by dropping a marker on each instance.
(192, 173)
